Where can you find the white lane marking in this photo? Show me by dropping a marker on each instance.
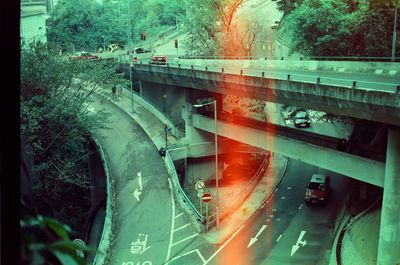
(178, 215)
(172, 223)
(189, 237)
(278, 219)
(299, 242)
(289, 188)
(188, 253)
(223, 245)
(301, 205)
(268, 220)
(271, 215)
(279, 238)
(283, 197)
(255, 238)
(139, 175)
(179, 228)
(136, 194)
(274, 210)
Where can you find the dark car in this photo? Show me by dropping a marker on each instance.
(317, 189)
(301, 119)
(142, 50)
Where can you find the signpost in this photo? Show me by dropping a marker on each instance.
(78, 243)
(206, 199)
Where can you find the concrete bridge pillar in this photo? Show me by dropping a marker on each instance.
(389, 236)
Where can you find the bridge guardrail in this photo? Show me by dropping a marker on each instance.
(300, 58)
(310, 79)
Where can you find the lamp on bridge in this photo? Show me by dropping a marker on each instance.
(216, 153)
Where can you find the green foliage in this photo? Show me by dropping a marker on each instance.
(341, 28)
(81, 25)
(37, 248)
(288, 6)
(55, 122)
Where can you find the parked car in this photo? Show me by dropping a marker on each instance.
(301, 119)
(142, 50)
(83, 56)
(317, 189)
(159, 60)
(275, 23)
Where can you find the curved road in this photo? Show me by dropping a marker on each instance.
(150, 229)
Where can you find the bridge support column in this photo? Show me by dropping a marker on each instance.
(389, 236)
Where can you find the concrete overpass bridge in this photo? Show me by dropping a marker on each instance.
(363, 90)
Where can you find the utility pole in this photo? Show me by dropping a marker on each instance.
(394, 38)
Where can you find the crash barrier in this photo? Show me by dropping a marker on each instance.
(246, 191)
(299, 58)
(320, 64)
(182, 195)
(105, 240)
(200, 69)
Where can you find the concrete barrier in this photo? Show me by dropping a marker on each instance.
(377, 68)
(105, 241)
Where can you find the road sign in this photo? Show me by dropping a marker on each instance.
(199, 185)
(206, 197)
(79, 243)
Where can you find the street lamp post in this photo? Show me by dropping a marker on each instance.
(216, 153)
(130, 79)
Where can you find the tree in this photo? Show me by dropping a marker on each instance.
(342, 28)
(55, 125)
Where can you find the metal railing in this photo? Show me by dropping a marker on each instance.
(182, 195)
(300, 58)
(246, 192)
(316, 79)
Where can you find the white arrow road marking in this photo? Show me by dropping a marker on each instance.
(144, 246)
(254, 239)
(136, 194)
(299, 242)
(139, 175)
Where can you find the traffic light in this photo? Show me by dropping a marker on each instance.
(176, 44)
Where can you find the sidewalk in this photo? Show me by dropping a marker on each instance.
(231, 194)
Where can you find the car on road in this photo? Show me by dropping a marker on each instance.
(317, 189)
(142, 50)
(301, 119)
(159, 60)
(83, 56)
